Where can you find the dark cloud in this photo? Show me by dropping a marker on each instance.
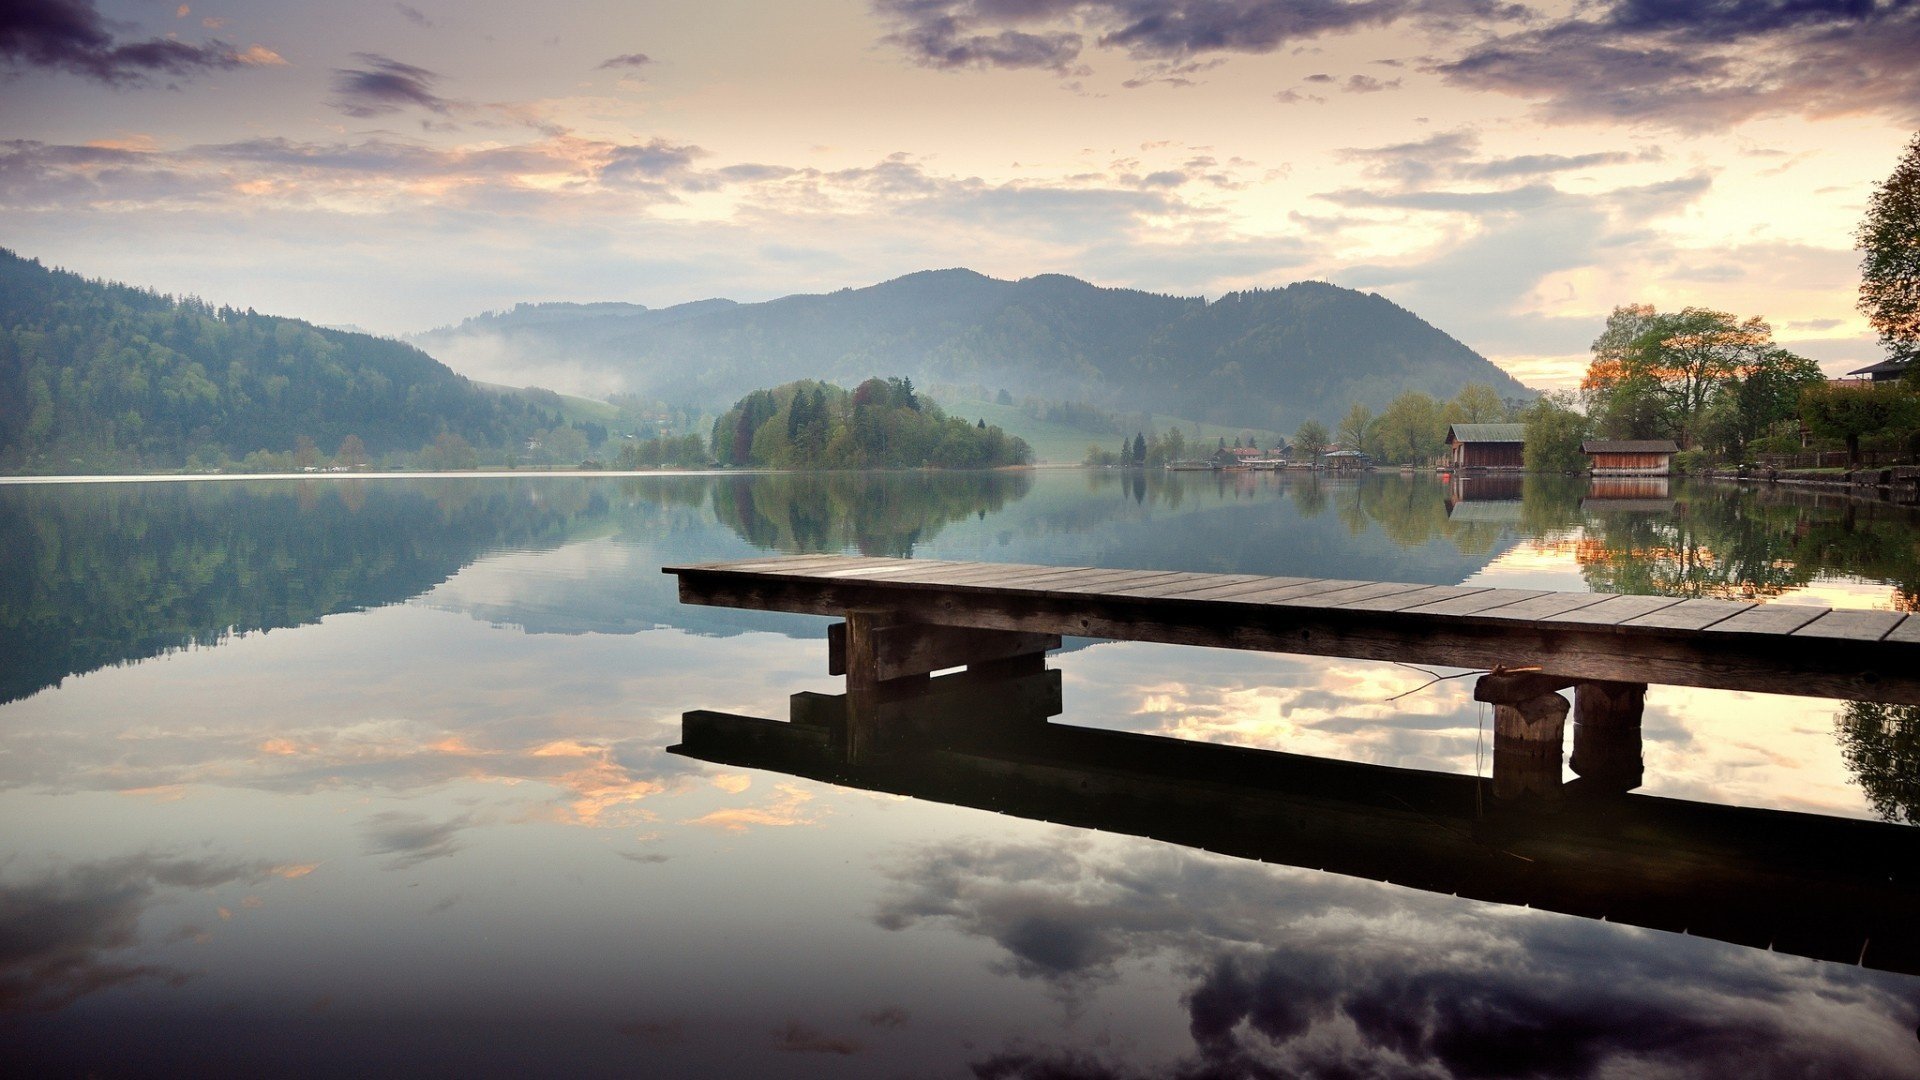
(947, 34)
(384, 86)
(627, 60)
(410, 838)
(414, 15)
(1697, 65)
(1158, 28)
(60, 931)
(1298, 974)
(72, 36)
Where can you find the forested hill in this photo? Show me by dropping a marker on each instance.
(97, 376)
(1264, 358)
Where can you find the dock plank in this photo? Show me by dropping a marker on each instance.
(1235, 591)
(1613, 611)
(1908, 632)
(1546, 605)
(1768, 619)
(1373, 590)
(1401, 601)
(1190, 583)
(1852, 625)
(1475, 604)
(1691, 614)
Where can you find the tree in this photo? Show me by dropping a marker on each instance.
(1890, 269)
(1310, 439)
(352, 453)
(1411, 429)
(1554, 434)
(1764, 391)
(1851, 412)
(1653, 374)
(1881, 744)
(1139, 449)
(1356, 427)
(1476, 403)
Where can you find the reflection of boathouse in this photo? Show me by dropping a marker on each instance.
(1486, 446)
(1629, 457)
(1489, 499)
(1629, 495)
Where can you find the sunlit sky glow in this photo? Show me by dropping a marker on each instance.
(1508, 171)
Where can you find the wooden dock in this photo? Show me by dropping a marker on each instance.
(908, 618)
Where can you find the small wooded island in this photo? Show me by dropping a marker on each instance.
(881, 424)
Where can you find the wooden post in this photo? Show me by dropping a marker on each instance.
(1527, 737)
(866, 691)
(1606, 734)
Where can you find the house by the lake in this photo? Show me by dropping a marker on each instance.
(1629, 457)
(1486, 446)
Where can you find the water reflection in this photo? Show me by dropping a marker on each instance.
(428, 818)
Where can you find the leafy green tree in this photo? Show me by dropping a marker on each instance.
(1852, 412)
(1310, 440)
(352, 453)
(1653, 374)
(1763, 391)
(1554, 433)
(1411, 430)
(1356, 427)
(1890, 268)
(1476, 403)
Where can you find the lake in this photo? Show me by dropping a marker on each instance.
(369, 775)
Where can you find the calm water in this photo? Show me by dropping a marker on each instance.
(368, 776)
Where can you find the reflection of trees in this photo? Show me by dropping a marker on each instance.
(1733, 544)
(883, 514)
(1881, 744)
(109, 573)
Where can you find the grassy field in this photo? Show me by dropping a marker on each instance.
(1057, 443)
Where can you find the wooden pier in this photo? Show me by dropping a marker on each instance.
(908, 618)
(949, 698)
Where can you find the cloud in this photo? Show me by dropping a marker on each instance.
(384, 86)
(410, 838)
(414, 15)
(797, 1037)
(945, 34)
(627, 60)
(72, 36)
(60, 930)
(1297, 973)
(1695, 66)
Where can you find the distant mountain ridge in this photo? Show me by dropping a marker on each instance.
(1266, 358)
(98, 376)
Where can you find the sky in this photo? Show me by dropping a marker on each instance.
(1510, 172)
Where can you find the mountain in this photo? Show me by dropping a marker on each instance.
(100, 376)
(1266, 358)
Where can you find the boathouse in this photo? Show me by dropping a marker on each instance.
(1486, 446)
(1629, 457)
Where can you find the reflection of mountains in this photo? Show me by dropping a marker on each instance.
(107, 573)
(1827, 888)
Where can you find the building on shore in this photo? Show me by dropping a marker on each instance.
(1629, 457)
(1486, 446)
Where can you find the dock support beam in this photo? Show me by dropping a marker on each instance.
(1606, 734)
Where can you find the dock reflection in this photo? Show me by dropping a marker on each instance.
(1809, 885)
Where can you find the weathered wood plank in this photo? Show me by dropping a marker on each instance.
(1402, 601)
(1185, 583)
(1908, 632)
(1121, 586)
(1852, 625)
(1768, 619)
(1475, 604)
(1306, 588)
(1546, 604)
(1373, 590)
(1613, 610)
(1690, 614)
(905, 570)
(1223, 590)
